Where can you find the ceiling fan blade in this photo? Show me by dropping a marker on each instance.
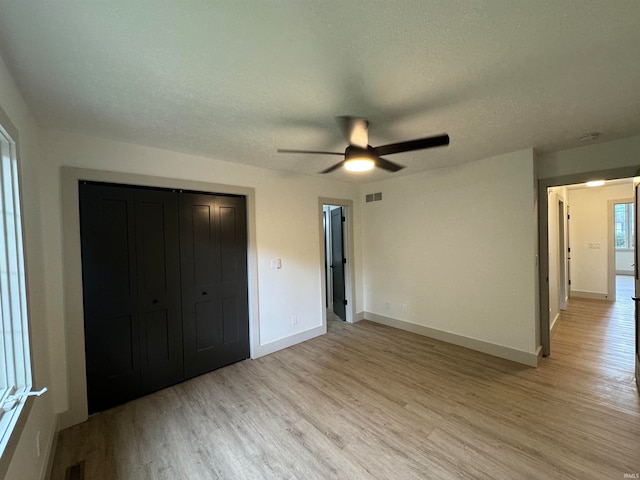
(354, 129)
(419, 144)
(333, 167)
(387, 165)
(283, 150)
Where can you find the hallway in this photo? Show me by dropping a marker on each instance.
(595, 340)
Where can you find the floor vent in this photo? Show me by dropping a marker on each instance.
(75, 472)
(373, 197)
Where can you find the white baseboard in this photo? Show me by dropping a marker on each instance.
(591, 295)
(267, 348)
(359, 316)
(518, 356)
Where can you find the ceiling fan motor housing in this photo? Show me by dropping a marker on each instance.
(353, 151)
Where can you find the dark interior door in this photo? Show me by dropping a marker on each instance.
(213, 245)
(337, 263)
(130, 271)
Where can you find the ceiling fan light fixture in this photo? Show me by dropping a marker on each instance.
(359, 156)
(361, 164)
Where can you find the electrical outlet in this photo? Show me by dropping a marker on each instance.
(387, 306)
(294, 320)
(405, 309)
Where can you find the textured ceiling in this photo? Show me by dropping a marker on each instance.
(235, 80)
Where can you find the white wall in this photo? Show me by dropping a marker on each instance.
(589, 237)
(457, 247)
(25, 462)
(593, 157)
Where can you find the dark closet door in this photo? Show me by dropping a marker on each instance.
(159, 308)
(130, 267)
(112, 333)
(213, 246)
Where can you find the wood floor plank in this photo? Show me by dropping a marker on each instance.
(369, 401)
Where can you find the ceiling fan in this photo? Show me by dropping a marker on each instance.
(359, 156)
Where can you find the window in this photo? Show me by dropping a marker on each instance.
(15, 360)
(624, 217)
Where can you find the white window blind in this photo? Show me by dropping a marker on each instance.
(15, 367)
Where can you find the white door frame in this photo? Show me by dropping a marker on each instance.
(544, 333)
(347, 238)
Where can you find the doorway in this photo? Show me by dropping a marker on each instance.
(589, 242)
(337, 256)
(335, 260)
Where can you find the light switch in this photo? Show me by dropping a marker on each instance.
(276, 264)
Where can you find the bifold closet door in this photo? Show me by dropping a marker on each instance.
(213, 250)
(131, 287)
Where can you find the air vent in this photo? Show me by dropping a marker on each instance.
(373, 197)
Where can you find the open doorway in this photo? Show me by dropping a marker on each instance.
(600, 249)
(337, 254)
(335, 260)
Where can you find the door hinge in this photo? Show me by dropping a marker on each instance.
(568, 217)
(345, 302)
(344, 219)
(569, 282)
(569, 249)
(344, 260)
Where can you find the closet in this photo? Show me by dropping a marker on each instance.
(165, 287)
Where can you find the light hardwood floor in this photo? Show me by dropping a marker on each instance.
(368, 401)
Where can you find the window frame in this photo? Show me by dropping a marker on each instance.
(629, 230)
(13, 421)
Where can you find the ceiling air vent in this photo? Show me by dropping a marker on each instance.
(374, 197)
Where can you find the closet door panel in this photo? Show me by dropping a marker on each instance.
(112, 330)
(214, 281)
(158, 260)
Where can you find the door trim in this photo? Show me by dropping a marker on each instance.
(74, 406)
(543, 333)
(563, 250)
(348, 246)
